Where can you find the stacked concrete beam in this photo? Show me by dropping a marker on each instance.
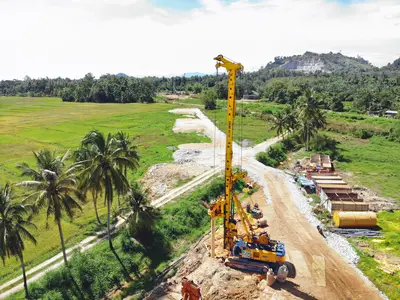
(335, 193)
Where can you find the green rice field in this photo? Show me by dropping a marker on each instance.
(30, 124)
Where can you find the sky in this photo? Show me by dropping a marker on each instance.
(69, 38)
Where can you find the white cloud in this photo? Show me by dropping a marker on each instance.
(72, 37)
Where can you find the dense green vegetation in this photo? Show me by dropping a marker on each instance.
(94, 273)
(30, 124)
(344, 79)
(273, 156)
(106, 89)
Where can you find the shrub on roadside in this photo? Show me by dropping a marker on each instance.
(274, 156)
(292, 143)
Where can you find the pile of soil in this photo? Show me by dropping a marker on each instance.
(215, 279)
(376, 202)
(162, 178)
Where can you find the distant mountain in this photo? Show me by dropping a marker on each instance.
(188, 75)
(311, 62)
(121, 75)
(393, 66)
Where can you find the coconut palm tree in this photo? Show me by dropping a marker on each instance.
(310, 116)
(141, 214)
(290, 121)
(82, 156)
(14, 229)
(279, 123)
(124, 141)
(55, 192)
(104, 171)
(45, 160)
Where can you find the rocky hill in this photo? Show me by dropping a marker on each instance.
(311, 62)
(393, 66)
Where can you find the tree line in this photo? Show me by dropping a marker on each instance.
(373, 90)
(106, 89)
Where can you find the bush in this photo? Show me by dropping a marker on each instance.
(277, 152)
(274, 156)
(210, 99)
(197, 88)
(337, 106)
(52, 295)
(394, 133)
(264, 158)
(292, 143)
(363, 133)
(325, 145)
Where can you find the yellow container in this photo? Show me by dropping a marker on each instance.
(355, 219)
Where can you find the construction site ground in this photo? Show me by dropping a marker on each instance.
(321, 272)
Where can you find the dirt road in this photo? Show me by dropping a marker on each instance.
(321, 272)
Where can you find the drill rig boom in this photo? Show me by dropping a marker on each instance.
(254, 250)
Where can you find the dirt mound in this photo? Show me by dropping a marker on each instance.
(376, 202)
(162, 178)
(215, 279)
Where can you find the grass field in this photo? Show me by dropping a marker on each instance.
(382, 253)
(351, 123)
(373, 163)
(249, 123)
(29, 124)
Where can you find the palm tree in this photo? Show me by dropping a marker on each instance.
(279, 123)
(310, 116)
(82, 156)
(141, 213)
(124, 141)
(45, 160)
(104, 172)
(14, 229)
(290, 121)
(55, 192)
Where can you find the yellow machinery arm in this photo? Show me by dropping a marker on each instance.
(255, 252)
(224, 207)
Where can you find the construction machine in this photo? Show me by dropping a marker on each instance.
(251, 251)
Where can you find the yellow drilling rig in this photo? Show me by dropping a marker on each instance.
(251, 252)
